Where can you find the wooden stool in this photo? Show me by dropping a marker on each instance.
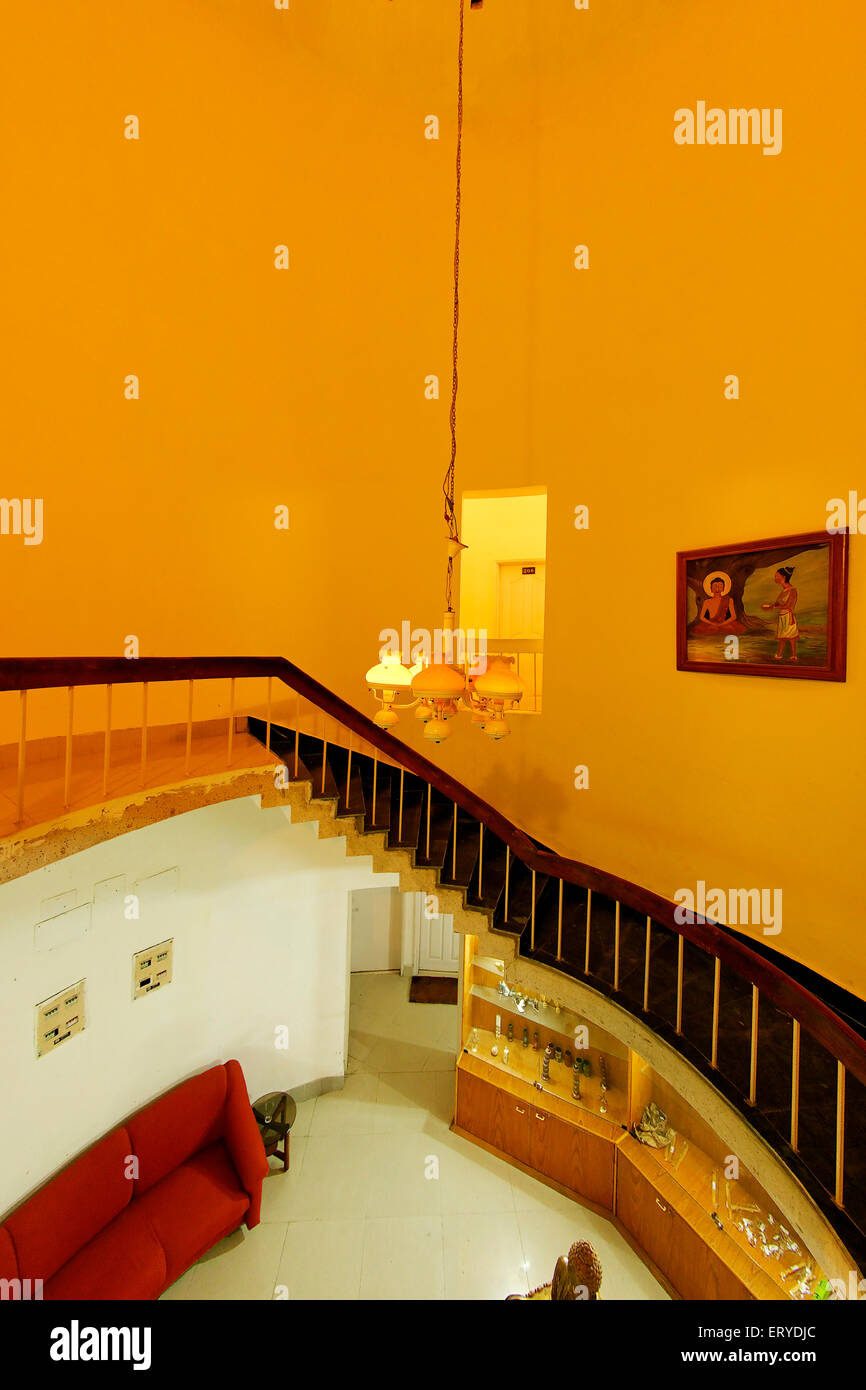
(275, 1115)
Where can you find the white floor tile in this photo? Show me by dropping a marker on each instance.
(243, 1266)
(403, 1259)
(348, 1111)
(473, 1180)
(404, 1100)
(301, 1127)
(279, 1186)
(322, 1259)
(483, 1256)
(404, 1180)
(335, 1179)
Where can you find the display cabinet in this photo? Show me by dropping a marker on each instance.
(533, 1038)
(672, 1142)
(613, 1133)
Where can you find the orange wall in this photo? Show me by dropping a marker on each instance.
(305, 387)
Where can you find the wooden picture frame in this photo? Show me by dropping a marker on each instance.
(774, 607)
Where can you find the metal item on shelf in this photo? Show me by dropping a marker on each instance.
(654, 1129)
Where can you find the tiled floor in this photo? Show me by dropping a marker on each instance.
(382, 1201)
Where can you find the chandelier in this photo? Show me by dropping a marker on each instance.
(440, 689)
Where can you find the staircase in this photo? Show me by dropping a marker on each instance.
(437, 848)
(784, 1046)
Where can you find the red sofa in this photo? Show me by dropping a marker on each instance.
(108, 1228)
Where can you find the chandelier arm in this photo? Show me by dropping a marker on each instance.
(391, 704)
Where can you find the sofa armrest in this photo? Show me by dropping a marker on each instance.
(243, 1141)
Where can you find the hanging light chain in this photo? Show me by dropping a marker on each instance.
(448, 485)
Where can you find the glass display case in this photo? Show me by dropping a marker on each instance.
(532, 1037)
(687, 1149)
(569, 1102)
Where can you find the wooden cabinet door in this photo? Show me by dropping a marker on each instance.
(693, 1268)
(516, 1131)
(578, 1160)
(593, 1161)
(476, 1106)
(550, 1145)
(493, 1115)
(645, 1216)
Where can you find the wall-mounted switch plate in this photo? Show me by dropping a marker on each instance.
(59, 1018)
(61, 902)
(153, 890)
(151, 968)
(65, 927)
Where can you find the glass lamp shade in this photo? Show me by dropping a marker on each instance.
(438, 682)
(385, 718)
(497, 727)
(437, 729)
(389, 675)
(423, 712)
(498, 682)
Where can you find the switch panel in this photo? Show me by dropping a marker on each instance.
(59, 1018)
(151, 968)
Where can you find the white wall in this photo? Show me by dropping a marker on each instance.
(377, 922)
(258, 911)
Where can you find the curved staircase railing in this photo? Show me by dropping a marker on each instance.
(756, 1026)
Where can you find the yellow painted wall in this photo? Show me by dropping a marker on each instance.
(305, 387)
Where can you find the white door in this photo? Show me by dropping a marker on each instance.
(438, 943)
(376, 929)
(521, 598)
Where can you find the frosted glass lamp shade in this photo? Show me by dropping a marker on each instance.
(438, 682)
(498, 682)
(385, 718)
(497, 728)
(436, 730)
(389, 675)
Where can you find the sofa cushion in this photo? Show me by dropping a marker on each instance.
(124, 1261)
(194, 1206)
(177, 1126)
(74, 1207)
(243, 1140)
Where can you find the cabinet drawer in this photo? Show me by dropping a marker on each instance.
(495, 1116)
(692, 1266)
(572, 1157)
(556, 1149)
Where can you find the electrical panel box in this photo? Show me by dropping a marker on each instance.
(151, 968)
(59, 1018)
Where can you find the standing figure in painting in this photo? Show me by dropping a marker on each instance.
(786, 628)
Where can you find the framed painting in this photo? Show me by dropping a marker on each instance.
(765, 608)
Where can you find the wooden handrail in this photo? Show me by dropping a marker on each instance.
(824, 1025)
